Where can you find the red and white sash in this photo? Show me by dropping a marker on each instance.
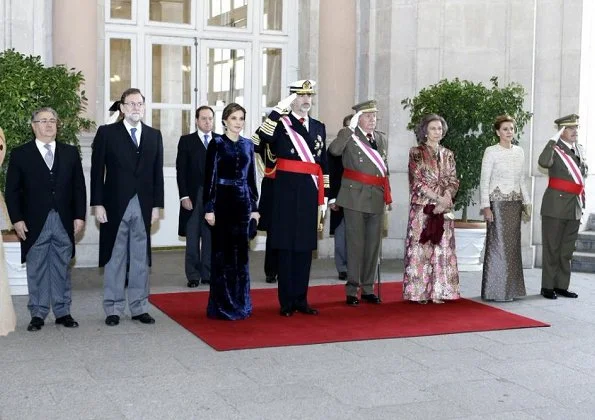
(300, 144)
(372, 154)
(574, 171)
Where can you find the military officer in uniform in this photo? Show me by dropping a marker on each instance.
(364, 195)
(562, 206)
(300, 189)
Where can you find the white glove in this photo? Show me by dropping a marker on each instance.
(556, 136)
(354, 120)
(284, 104)
(324, 207)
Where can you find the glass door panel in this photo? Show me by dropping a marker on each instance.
(170, 11)
(170, 99)
(120, 59)
(227, 13)
(225, 78)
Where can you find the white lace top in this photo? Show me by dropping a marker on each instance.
(502, 175)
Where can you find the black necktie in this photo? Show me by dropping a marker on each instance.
(573, 151)
(372, 141)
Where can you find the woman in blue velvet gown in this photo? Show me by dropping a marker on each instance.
(230, 198)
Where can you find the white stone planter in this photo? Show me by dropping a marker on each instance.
(17, 272)
(470, 243)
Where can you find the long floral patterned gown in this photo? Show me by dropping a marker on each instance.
(431, 271)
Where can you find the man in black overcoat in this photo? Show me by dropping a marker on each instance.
(127, 192)
(46, 200)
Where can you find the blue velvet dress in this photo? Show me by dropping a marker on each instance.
(230, 192)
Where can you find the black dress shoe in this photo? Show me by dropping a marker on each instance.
(548, 293)
(352, 301)
(271, 279)
(112, 320)
(205, 281)
(342, 275)
(193, 283)
(308, 310)
(144, 318)
(286, 313)
(68, 321)
(565, 293)
(35, 324)
(371, 298)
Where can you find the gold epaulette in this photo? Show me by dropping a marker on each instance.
(268, 127)
(325, 178)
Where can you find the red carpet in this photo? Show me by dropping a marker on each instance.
(394, 318)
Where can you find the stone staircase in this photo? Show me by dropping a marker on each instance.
(583, 259)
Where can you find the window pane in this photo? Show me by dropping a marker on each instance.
(225, 77)
(231, 13)
(272, 15)
(120, 58)
(121, 9)
(170, 11)
(173, 123)
(271, 76)
(171, 74)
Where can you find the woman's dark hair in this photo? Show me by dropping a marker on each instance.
(230, 109)
(501, 119)
(422, 129)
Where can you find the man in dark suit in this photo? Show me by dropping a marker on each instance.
(337, 226)
(127, 192)
(364, 194)
(190, 174)
(562, 206)
(46, 199)
(265, 206)
(301, 179)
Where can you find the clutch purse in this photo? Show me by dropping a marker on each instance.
(252, 229)
(449, 215)
(526, 211)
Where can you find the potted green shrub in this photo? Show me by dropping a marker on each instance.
(26, 85)
(470, 110)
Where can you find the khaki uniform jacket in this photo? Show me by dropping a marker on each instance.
(560, 204)
(354, 195)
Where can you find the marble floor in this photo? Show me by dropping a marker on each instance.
(161, 371)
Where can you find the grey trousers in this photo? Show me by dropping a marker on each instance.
(340, 247)
(198, 245)
(132, 228)
(48, 270)
(364, 233)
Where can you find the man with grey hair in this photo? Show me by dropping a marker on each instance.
(127, 192)
(46, 199)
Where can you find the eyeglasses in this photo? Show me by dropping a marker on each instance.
(46, 122)
(134, 104)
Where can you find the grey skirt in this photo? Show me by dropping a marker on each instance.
(503, 266)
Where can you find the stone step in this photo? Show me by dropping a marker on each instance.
(583, 262)
(586, 241)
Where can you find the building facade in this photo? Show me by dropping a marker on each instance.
(185, 53)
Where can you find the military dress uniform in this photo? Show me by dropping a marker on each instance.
(561, 209)
(364, 194)
(294, 217)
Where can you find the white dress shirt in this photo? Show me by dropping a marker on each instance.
(139, 129)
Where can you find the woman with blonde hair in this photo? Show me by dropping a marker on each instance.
(7, 316)
(502, 196)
